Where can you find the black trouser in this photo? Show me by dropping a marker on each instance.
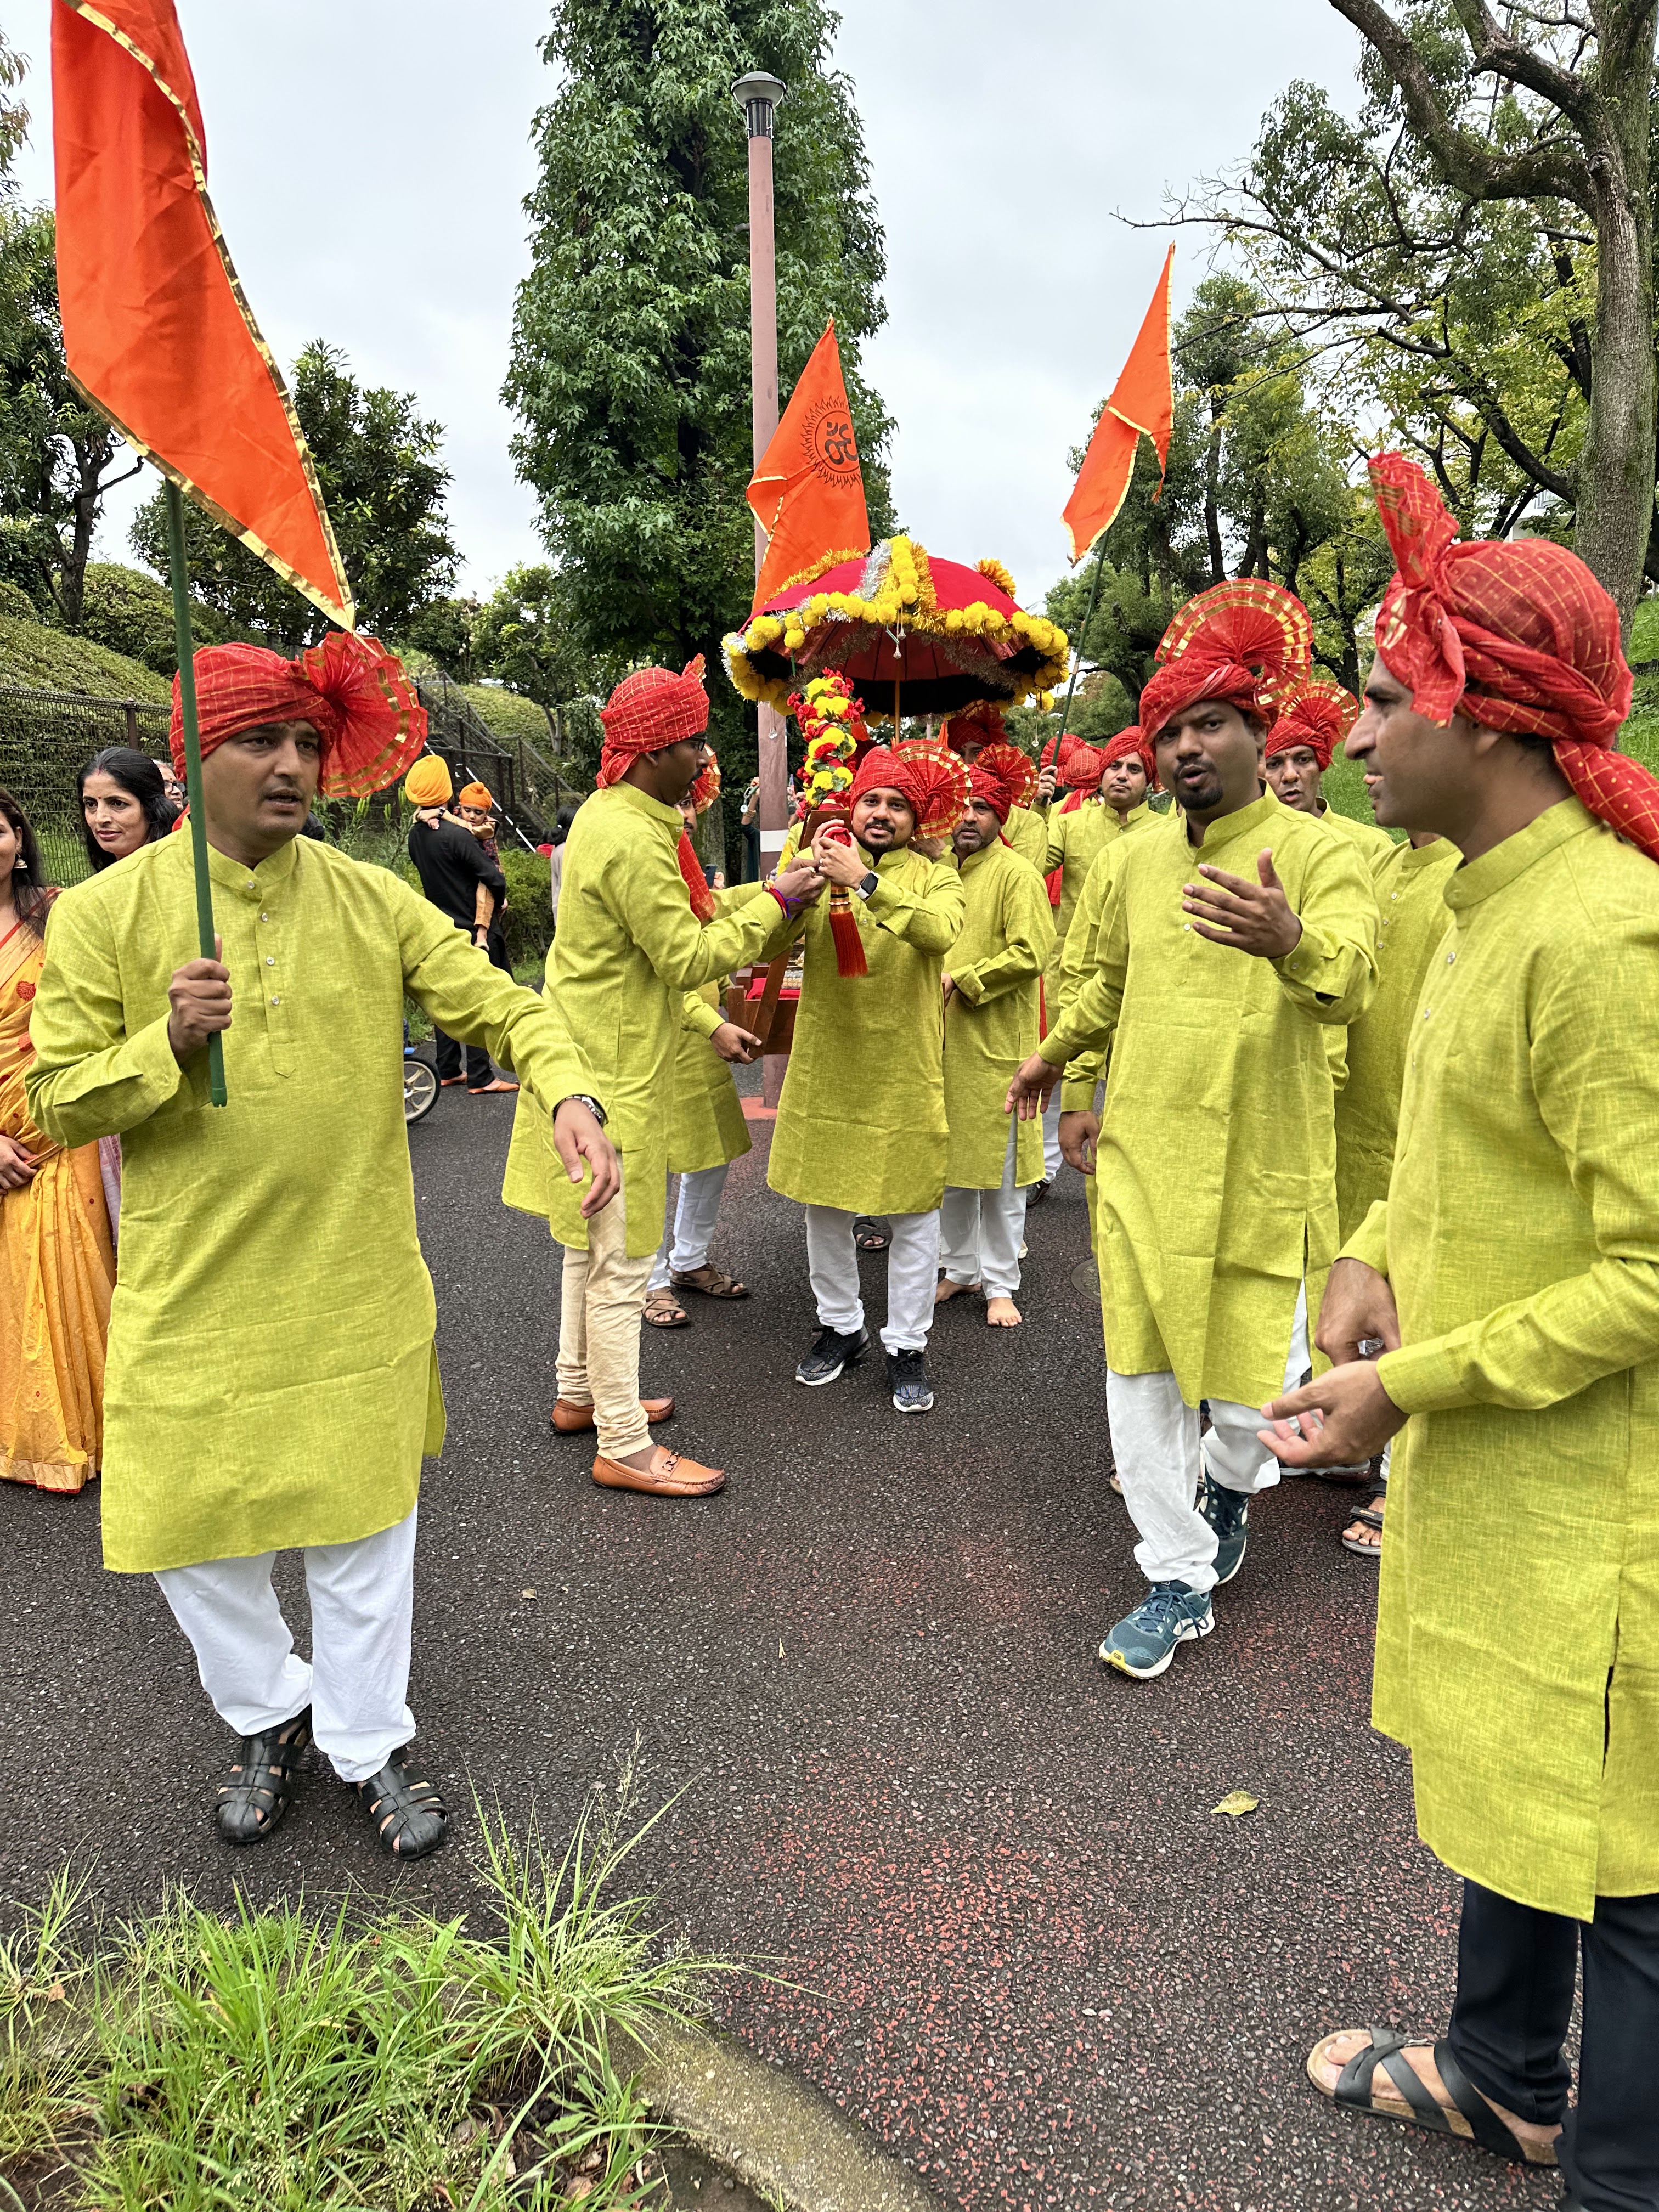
(450, 1049)
(1516, 1971)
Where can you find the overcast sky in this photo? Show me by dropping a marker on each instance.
(368, 159)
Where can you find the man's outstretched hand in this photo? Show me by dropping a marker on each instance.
(581, 1142)
(1028, 1094)
(1250, 917)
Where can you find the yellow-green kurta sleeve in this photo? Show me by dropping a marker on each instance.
(1517, 1649)
(1027, 831)
(271, 1378)
(861, 1118)
(1219, 1060)
(628, 950)
(1410, 884)
(709, 1129)
(991, 1022)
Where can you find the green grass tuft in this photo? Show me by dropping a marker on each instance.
(278, 2060)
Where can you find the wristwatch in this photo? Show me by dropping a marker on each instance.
(581, 1098)
(866, 883)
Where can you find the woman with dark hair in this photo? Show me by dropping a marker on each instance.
(124, 804)
(57, 1254)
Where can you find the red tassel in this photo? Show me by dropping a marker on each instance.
(844, 928)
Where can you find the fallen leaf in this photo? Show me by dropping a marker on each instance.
(55, 1993)
(1236, 1803)
(526, 1593)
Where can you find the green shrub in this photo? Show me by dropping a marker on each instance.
(130, 612)
(529, 905)
(47, 659)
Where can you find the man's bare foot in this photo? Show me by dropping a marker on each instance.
(1002, 1313)
(1327, 2062)
(945, 1290)
(1359, 1535)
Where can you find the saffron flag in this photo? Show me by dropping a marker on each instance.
(1142, 405)
(157, 332)
(808, 490)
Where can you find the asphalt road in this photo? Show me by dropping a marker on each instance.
(1002, 1923)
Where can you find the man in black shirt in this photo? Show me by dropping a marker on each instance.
(451, 865)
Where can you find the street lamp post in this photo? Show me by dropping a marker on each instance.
(758, 95)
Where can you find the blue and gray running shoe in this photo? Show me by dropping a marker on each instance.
(1142, 1643)
(1227, 1512)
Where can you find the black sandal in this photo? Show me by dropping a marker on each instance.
(1474, 2118)
(261, 1786)
(869, 1235)
(410, 1816)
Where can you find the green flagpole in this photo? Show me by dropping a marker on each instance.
(1082, 639)
(199, 843)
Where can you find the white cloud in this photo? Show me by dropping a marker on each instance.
(368, 160)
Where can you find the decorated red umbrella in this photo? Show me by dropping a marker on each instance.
(916, 634)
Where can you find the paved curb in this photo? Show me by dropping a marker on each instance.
(779, 2137)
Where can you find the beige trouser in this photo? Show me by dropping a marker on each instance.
(601, 1299)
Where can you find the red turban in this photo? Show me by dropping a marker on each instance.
(982, 721)
(1132, 744)
(987, 787)
(1517, 636)
(1009, 767)
(351, 690)
(648, 711)
(1318, 715)
(931, 778)
(1082, 768)
(1248, 643)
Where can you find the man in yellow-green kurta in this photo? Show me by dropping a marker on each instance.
(707, 1134)
(993, 975)
(1512, 1276)
(638, 929)
(1226, 953)
(861, 1125)
(272, 1383)
(968, 734)
(1301, 746)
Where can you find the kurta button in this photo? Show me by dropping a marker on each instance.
(277, 1002)
(250, 884)
(271, 959)
(1450, 957)
(265, 917)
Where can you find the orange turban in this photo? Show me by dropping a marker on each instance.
(474, 794)
(649, 710)
(427, 783)
(930, 778)
(1318, 715)
(1132, 744)
(1248, 643)
(1517, 636)
(351, 690)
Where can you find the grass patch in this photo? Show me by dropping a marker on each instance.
(281, 2061)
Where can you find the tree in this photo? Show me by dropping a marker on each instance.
(1258, 484)
(1480, 243)
(58, 456)
(377, 461)
(630, 371)
(527, 637)
(14, 116)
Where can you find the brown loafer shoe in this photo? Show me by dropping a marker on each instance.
(668, 1476)
(570, 1420)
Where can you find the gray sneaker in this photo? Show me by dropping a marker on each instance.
(1142, 1643)
(831, 1353)
(1227, 1512)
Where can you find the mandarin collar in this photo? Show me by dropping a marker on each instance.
(273, 874)
(1418, 857)
(1494, 871)
(655, 809)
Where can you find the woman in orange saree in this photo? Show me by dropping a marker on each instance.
(56, 1261)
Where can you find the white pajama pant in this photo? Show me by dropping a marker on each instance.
(1053, 1158)
(1159, 1456)
(980, 1231)
(832, 1260)
(356, 1682)
(686, 1246)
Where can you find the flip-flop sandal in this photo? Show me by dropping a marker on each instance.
(868, 1235)
(708, 1282)
(1369, 1517)
(1405, 2097)
(664, 1310)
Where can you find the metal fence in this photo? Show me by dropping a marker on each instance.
(528, 788)
(46, 738)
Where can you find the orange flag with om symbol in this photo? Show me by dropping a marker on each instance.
(808, 489)
(157, 331)
(1142, 405)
